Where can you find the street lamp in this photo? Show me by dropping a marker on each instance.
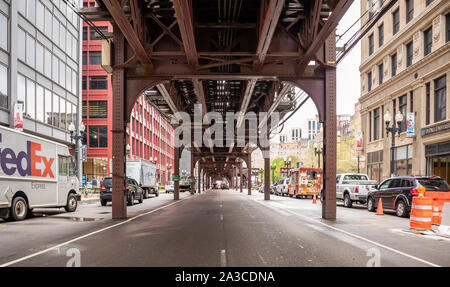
(318, 151)
(128, 148)
(273, 167)
(74, 136)
(169, 167)
(393, 129)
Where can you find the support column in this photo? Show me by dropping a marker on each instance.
(192, 177)
(199, 178)
(267, 178)
(249, 174)
(329, 149)
(176, 173)
(119, 206)
(241, 181)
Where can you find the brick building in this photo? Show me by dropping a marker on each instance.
(149, 135)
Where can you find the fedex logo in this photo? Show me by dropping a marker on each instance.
(10, 162)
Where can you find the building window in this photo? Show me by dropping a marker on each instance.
(409, 10)
(375, 165)
(409, 54)
(402, 109)
(84, 110)
(3, 86)
(427, 41)
(427, 107)
(394, 64)
(98, 109)
(98, 136)
(85, 58)
(3, 32)
(395, 22)
(428, 2)
(371, 44)
(440, 102)
(370, 8)
(380, 35)
(85, 29)
(376, 124)
(403, 160)
(447, 27)
(48, 107)
(93, 33)
(380, 73)
(369, 81)
(84, 84)
(95, 58)
(98, 82)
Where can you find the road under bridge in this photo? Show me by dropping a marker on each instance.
(221, 57)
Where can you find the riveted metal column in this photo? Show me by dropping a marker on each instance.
(176, 173)
(249, 174)
(192, 177)
(329, 204)
(199, 178)
(266, 178)
(241, 181)
(119, 207)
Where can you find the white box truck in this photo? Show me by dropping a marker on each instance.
(144, 172)
(34, 173)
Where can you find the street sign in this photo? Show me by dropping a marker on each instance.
(83, 180)
(410, 124)
(175, 177)
(18, 117)
(359, 141)
(284, 170)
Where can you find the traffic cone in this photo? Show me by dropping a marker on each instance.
(380, 208)
(314, 199)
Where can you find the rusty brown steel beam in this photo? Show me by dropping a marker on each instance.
(183, 10)
(331, 24)
(200, 92)
(267, 30)
(167, 30)
(121, 20)
(137, 19)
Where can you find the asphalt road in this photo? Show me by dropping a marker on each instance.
(218, 228)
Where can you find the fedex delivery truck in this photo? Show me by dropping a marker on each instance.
(34, 172)
(144, 172)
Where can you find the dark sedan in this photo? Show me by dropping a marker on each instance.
(133, 191)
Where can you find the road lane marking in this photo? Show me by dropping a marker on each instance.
(358, 237)
(223, 258)
(90, 234)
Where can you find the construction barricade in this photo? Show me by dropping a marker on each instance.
(421, 213)
(439, 198)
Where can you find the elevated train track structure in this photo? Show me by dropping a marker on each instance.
(225, 56)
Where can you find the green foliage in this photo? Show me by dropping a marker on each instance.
(347, 155)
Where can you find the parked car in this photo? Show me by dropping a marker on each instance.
(396, 193)
(261, 188)
(353, 187)
(144, 172)
(133, 191)
(169, 187)
(282, 187)
(225, 186)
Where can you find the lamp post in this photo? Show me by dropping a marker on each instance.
(393, 129)
(169, 167)
(318, 151)
(273, 167)
(128, 148)
(74, 136)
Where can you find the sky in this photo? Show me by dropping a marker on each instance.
(348, 78)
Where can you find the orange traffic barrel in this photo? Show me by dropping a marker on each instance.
(421, 213)
(437, 213)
